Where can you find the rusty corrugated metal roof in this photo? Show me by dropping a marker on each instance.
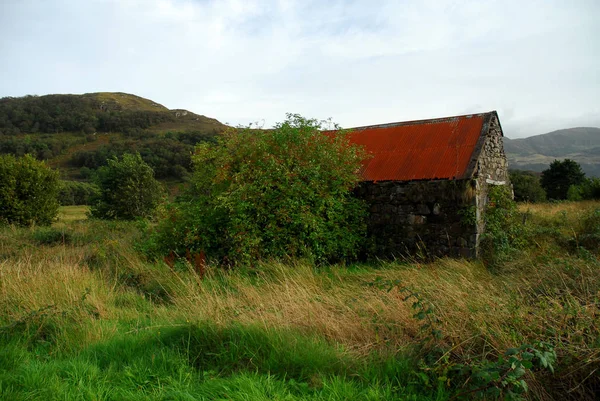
(443, 148)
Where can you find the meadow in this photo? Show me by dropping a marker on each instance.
(85, 316)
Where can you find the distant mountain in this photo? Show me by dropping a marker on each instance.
(535, 153)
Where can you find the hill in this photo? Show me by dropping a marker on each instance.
(535, 153)
(78, 133)
(94, 112)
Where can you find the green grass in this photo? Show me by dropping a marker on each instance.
(201, 362)
(83, 316)
(68, 214)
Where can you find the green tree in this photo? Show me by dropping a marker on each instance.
(277, 193)
(128, 189)
(28, 191)
(557, 179)
(526, 186)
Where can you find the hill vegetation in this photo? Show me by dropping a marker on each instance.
(84, 131)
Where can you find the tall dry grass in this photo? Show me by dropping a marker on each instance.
(99, 282)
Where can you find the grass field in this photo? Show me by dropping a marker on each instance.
(69, 214)
(84, 316)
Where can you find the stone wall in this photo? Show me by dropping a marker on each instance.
(430, 218)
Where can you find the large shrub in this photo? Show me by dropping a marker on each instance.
(128, 189)
(504, 232)
(277, 193)
(28, 191)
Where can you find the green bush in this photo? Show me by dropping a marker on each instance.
(588, 189)
(526, 186)
(28, 191)
(504, 232)
(76, 193)
(128, 189)
(277, 193)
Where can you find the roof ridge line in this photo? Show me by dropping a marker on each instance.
(425, 121)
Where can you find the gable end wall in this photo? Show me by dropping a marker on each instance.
(491, 169)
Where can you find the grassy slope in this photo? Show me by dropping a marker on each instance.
(126, 101)
(90, 319)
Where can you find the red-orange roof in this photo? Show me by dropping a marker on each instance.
(444, 148)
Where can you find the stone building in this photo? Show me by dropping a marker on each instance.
(427, 181)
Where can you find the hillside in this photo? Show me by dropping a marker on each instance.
(537, 152)
(78, 133)
(94, 112)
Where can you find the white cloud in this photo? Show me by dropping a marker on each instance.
(359, 62)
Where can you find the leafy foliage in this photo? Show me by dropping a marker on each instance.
(503, 378)
(76, 193)
(275, 193)
(557, 179)
(504, 232)
(28, 191)
(588, 189)
(128, 189)
(526, 186)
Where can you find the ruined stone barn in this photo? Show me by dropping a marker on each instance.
(427, 182)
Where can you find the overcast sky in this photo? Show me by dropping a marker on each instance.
(359, 62)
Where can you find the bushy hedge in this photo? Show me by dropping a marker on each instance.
(28, 191)
(277, 193)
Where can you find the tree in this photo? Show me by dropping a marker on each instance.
(277, 193)
(526, 186)
(128, 189)
(28, 191)
(557, 179)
